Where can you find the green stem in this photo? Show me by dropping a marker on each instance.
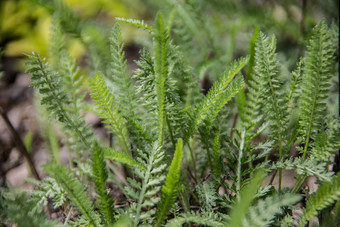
(298, 184)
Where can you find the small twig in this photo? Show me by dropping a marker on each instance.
(272, 178)
(13, 165)
(20, 144)
(110, 140)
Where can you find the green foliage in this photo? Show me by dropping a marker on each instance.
(108, 111)
(48, 189)
(123, 84)
(55, 98)
(170, 188)
(105, 202)
(246, 197)
(206, 219)
(326, 194)
(207, 195)
(144, 192)
(305, 168)
(75, 191)
(272, 95)
(122, 158)
(182, 89)
(161, 44)
(221, 92)
(16, 209)
(315, 84)
(47, 132)
(264, 212)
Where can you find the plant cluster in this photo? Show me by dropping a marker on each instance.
(179, 156)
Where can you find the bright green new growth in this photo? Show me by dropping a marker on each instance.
(75, 190)
(105, 201)
(108, 111)
(170, 188)
(161, 46)
(327, 193)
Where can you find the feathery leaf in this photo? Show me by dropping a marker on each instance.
(108, 110)
(327, 193)
(100, 177)
(170, 189)
(316, 83)
(121, 158)
(220, 93)
(75, 191)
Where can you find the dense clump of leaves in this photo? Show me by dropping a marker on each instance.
(170, 155)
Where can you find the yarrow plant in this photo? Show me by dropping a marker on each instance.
(170, 156)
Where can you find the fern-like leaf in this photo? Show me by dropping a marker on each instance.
(122, 82)
(18, 209)
(316, 84)
(55, 98)
(48, 189)
(161, 46)
(264, 211)
(170, 189)
(220, 93)
(327, 141)
(108, 110)
(205, 219)
(275, 105)
(122, 158)
(296, 79)
(144, 191)
(327, 193)
(207, 195)
(100, 177)
(305, 168)
(75, 191)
